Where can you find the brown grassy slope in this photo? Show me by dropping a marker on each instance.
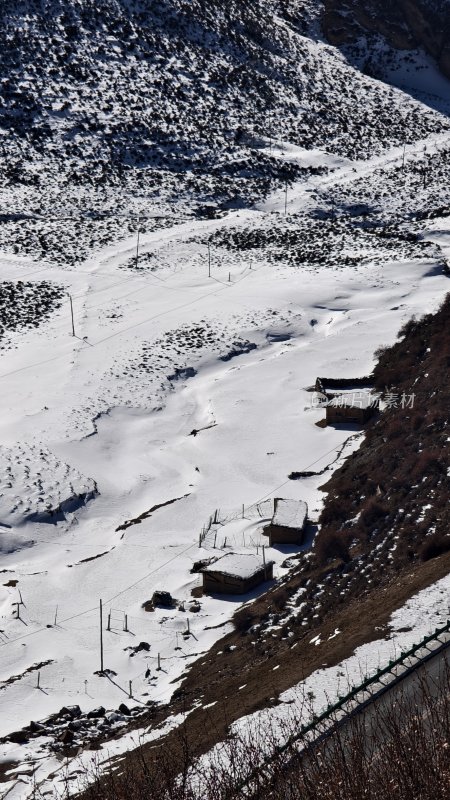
(218, 677)
(393, 492)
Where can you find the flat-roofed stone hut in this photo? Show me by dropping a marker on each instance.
(288, 522)
(351, 408)
(236, 573)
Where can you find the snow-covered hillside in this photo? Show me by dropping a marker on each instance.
(181, 394)
(124, 108)
(231, 209)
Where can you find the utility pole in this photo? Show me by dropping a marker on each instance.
(101, 636)
(404, 154)
(209, 259)
(333, 212)
(137, 243)
(285, 199)
(71, 313)
(270, 131)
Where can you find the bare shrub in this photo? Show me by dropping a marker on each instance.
(396, 750)
(434, 546)
(428, 462)
(329, 546)
(244, 619)
(335, 510)
(372, 513)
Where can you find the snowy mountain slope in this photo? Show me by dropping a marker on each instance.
(404, 44)
(185, 388)
(125, 108)
(38, 488)
(25, 304)
(405, 25)
(225, 432)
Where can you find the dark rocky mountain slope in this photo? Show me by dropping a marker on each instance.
(404, 24)
(121, 103)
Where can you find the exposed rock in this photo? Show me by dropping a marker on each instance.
(405, 24)
(238, 349)
(19, 737)
(163, 599)
(66, 737)
(96, 712)
(142, 647)
(71, 711)
(113, 716)
(37, 727)
(75, 725)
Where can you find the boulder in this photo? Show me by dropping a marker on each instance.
(75, 725)
(163, 599)
(19, 737)
(114, 716)
(66, 737)
(96, 713)
(71, 711)
(142, 647)
(36, 727)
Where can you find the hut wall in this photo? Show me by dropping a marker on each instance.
(220, 583)
(279, 534)
(347, 414)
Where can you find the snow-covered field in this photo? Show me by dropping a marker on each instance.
(181, 394)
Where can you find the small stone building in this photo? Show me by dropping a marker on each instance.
(288, 522)
(356, 408)
(236, 573)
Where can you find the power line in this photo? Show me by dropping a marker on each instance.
(44, 362)
(170, 560)
(110, 600)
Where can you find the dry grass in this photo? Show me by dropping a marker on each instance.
(396, 750)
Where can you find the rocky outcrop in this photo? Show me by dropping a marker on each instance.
(70, 727)
(405, 24)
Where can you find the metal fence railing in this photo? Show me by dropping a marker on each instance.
(319, 722)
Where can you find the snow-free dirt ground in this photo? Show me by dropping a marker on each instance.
(181, 394)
